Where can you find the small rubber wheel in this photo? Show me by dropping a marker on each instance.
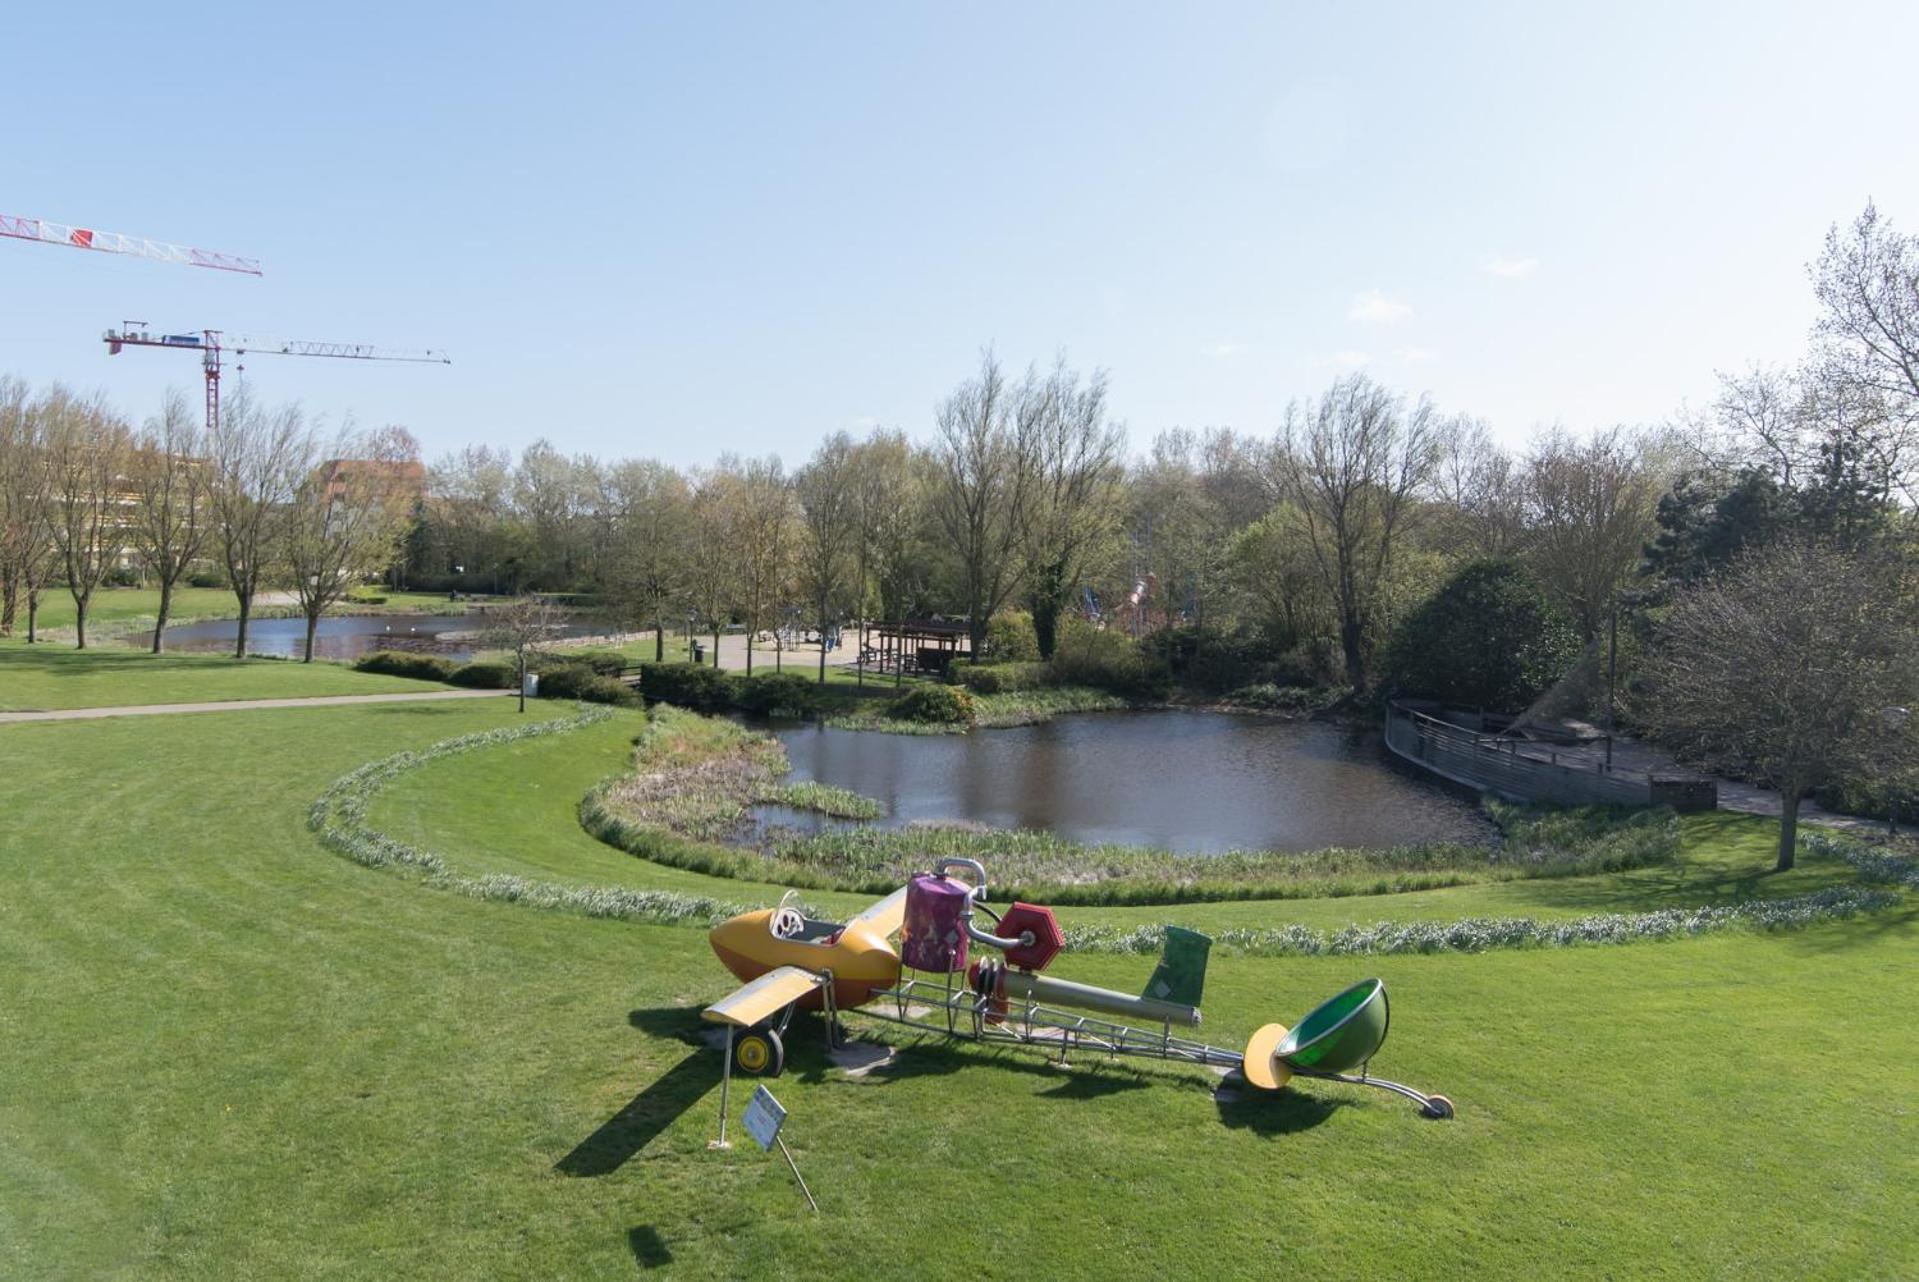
(758, 1053)
(1437, 1106)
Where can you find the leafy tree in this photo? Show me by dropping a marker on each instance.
(1490, 638)
(1703, 522)
(1783, 669)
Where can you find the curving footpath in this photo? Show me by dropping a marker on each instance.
(235, 705)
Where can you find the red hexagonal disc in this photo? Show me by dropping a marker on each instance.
(1047, 937)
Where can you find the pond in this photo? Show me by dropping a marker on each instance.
(1189, 781)
(344, 636)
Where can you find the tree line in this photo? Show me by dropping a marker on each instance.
(1306, 547)
(269, 502)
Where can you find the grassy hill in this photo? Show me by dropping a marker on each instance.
(230, 1052)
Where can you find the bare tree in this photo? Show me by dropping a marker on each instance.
(712, 573)
(1353, 464)
(88, 449)
(1591, 512)
(1072, 497)
(982, 477)
(26, 506)
(171, 482)
(650, 566)
(827, 489)
(346, 518)
(1782, 670)
(1867, 281)
(764, 541)
(259, 457)
(889, 559)
(521, 627)
(1481, 492)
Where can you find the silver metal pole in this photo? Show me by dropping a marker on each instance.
(796, 1173)
(726, 1080)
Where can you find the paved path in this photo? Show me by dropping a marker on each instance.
(1630, 754)
(233, 705)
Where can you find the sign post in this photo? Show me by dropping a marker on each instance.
(763, 1119)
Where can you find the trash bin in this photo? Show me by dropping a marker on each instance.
(530, 685)
(699, 652)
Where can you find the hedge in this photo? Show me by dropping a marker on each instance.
(405, 663)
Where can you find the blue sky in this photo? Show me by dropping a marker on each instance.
(672, 230)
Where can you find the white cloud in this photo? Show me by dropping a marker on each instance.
(1415, 355)
(1223, 349)
(1350, 359)
(1374, 308)
(864, 423)
(1509, 267)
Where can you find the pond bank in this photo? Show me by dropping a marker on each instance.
(688, 800)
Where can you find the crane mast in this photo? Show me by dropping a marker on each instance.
(212, 344)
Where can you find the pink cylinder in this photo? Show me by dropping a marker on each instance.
(933, 936)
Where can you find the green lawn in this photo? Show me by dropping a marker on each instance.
(51, 676)
(112, 608)
(231, 1053)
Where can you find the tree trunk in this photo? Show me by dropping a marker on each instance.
(1788, 826)
(33, 614)
(80, 622)
(160, 620)
(246, 611)
(1047, 599)
(659, 639)
(1352, 636)
(716, 645)
(522, 679)
(822, 647)
(9, 604)
(313, 625)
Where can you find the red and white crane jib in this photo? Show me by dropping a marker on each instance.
(112, 242)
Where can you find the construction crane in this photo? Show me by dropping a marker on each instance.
(213, 344)
(112, 242)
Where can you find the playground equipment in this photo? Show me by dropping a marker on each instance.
(790, 961)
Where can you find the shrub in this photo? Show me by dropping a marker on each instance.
(774, 693)
(1278, 698)
(1106, 660)
(405, 663)
(577, 681)
(936, 704)
(607, 663)
(1315, 661)
(206, 579)
(366, 599)
(485, 675)
(1010, 638)
(999, 678)
(687, 685)
(1490, 638)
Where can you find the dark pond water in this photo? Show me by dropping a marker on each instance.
(1195, 782)
(344, 637)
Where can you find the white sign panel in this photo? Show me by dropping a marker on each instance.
(763, 1118)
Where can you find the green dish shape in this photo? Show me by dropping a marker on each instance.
(1340, 1033)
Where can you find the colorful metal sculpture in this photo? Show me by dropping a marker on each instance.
(792, 961)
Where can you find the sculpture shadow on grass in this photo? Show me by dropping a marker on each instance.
(645, 1116)
(649, 1250)
(1284, 1113)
